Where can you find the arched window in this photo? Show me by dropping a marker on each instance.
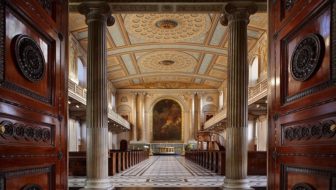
(254, 71)
(81, 73)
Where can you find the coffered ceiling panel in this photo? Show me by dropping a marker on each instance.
(167, 50)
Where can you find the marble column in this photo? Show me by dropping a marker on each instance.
(140, 100)
(196, 113)
(236, 17)
(98, 16)
(192, 118)
(134, 119)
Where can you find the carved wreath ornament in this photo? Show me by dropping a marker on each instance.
(307, 57)
(29, 58)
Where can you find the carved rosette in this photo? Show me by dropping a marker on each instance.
(19, 131)
(29, 58)
(307, 57)
(326, 129)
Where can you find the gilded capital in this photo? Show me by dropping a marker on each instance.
(237, 12)
(97, 11)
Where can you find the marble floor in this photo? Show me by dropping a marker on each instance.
(167, 171)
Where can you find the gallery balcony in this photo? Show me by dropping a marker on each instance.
(77, 109)
(257, 105)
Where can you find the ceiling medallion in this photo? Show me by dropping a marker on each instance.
(166, 62)
(167, 27)
(307, 57)
(166, 24)
(29, 58)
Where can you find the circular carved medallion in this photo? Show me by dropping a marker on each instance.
(29, 58)
(307, 57)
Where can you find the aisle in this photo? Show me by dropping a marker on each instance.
(167, 171)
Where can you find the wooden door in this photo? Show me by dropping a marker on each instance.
(33, 94)
(302, 103)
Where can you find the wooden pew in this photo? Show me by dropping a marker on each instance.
(215, 161)
(77, 163)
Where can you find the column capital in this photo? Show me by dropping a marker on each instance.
(97, 11)
(237, 12)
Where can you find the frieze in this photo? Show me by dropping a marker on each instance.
(19, 131)
(320, 130)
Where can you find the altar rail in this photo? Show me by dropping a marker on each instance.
(215, 161)
(178, 148)
(118, 161)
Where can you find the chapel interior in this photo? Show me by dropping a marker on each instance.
(181, 94)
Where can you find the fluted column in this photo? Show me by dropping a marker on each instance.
(140, 115)
(196, 113)
(192, 118)
(134, 119)
(98, 16)
(237, 18)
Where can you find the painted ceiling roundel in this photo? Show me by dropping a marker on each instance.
(168, 61)
(167, 27)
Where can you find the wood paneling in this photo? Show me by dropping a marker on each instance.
(33, 146)
(302, 141)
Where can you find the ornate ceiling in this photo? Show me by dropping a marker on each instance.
(167, 50)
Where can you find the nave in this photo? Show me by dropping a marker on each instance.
(167, 171)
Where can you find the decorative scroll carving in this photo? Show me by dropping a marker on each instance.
(307, 57)
(29, 58)
(303, 186)
(289, 4)
(326, 129)
(32, 187)
(20, 131)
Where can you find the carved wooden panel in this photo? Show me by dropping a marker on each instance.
(33, 94)
(305, 54)
(302, 101)
(28, 179)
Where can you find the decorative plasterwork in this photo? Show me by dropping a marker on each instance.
(167, 27)
(170, 85)
(167, 61)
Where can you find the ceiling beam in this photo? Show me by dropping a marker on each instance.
(167, 74)
(182, 47)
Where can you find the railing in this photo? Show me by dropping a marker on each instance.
(255, 93)
(212, 138)
(120, 120)
(79, 93)
(216, 120)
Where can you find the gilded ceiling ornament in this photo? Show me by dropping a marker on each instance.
(167, 27)
(168, 61)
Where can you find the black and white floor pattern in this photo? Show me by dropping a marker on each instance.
(167, 171)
